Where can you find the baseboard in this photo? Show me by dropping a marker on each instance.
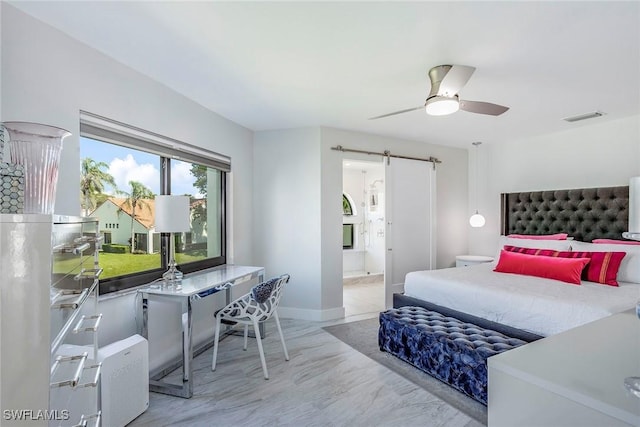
(397, 288)
(313, 315)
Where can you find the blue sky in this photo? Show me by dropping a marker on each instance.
(127, 165)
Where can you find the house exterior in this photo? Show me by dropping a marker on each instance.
(115, 217)
(198, 235)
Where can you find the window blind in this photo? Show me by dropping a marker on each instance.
(114, 132)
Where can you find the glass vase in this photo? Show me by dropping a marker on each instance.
(37, 148)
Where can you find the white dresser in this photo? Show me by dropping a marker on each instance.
(570, 379)
(48, 303)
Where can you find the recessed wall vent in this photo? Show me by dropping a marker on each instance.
(584, 116)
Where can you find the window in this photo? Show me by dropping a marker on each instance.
(347, 209)
(122, 170)
(347, 236)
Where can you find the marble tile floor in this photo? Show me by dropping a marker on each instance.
(325, 383)
(363, 298)
(364, 278)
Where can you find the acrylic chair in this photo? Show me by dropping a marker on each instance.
(254, 308)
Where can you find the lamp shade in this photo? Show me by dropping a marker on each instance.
(476, 220)
(441, 106)
(172, 214)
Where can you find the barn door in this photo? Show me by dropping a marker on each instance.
(410, 221)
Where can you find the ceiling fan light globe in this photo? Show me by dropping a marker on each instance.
(441, 106)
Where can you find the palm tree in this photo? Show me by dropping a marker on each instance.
(92, 183)
(134, 200)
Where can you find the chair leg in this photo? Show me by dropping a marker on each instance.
(216, 342)
(246, 335)
(264, 363)
(284, 347)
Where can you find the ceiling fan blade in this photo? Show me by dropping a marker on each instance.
(397, 112)
(453, 80)
(482, 107)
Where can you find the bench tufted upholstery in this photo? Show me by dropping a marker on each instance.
(444, 347)
(584, 213)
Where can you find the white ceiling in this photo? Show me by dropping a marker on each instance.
(277, 65)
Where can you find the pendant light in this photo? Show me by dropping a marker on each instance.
(476, 220)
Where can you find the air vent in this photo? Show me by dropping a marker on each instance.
(584, 116)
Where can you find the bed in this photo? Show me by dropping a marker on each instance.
(535, 305)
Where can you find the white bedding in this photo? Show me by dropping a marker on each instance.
(542, 306)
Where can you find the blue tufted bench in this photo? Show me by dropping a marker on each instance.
(444, 347)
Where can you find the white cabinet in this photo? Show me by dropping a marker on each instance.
(49, 283)
(25, 265)
(574, 378)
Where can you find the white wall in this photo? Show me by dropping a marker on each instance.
(352, 184)
(287, 216)
(331, 226)
(48, 77)
(597, 154)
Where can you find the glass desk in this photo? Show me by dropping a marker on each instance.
(195, 286)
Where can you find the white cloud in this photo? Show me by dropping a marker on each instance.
(181, 178)
(127, 169)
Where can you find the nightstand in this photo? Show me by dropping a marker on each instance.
(467, 260)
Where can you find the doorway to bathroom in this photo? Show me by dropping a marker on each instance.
(363, 254)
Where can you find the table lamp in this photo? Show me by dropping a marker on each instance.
(172, 216)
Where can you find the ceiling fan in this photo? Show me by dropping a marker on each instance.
(446, 81)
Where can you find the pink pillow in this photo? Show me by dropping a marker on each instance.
(615, 242)
(603, 266)
(559, 236)
(531, 251)
(564, 269)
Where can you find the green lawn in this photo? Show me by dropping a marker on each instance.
(120, 264)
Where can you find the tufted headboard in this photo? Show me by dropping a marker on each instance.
(585, 214)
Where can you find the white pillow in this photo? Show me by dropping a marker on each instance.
(556, 245)
(629, 270)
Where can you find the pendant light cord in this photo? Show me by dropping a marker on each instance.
(476, 144)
